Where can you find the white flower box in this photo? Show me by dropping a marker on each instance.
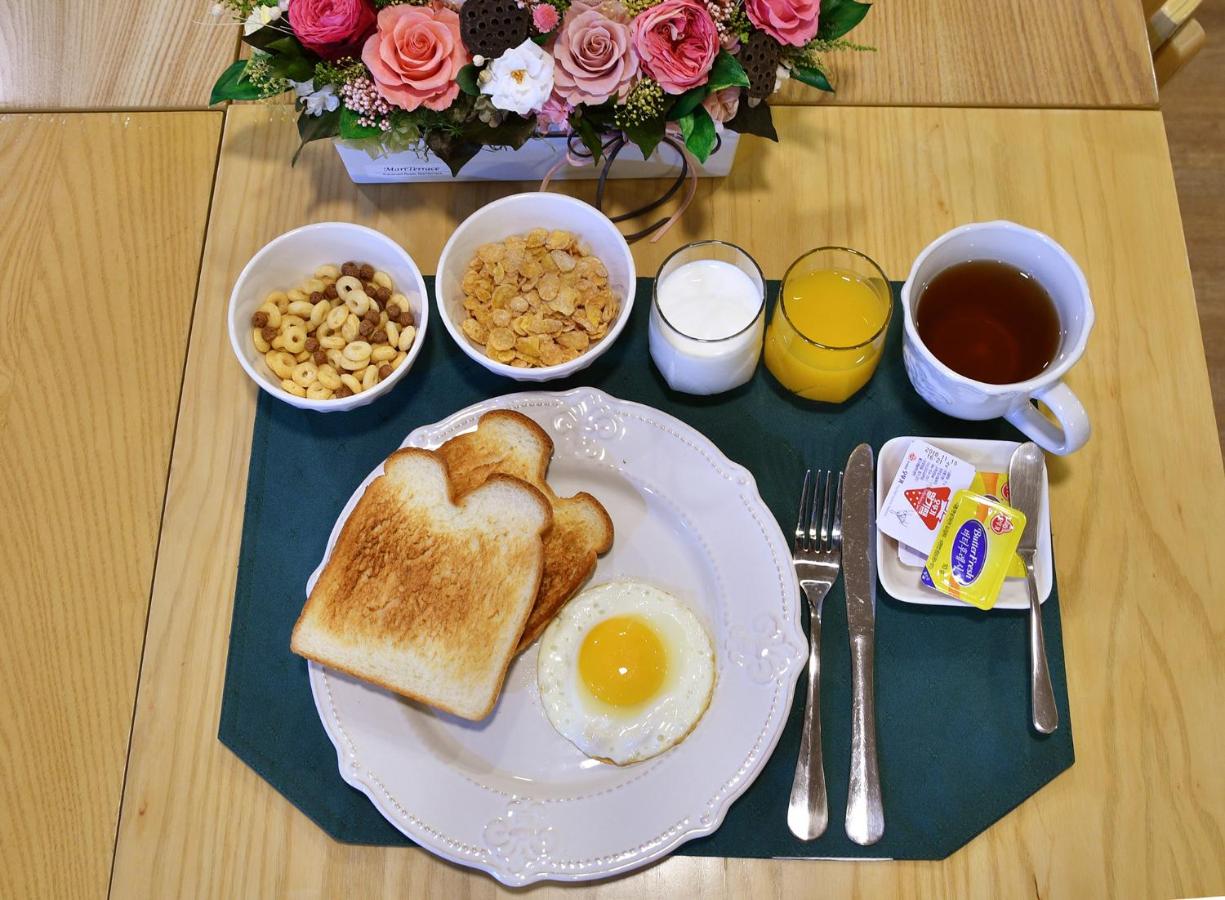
(531, 162)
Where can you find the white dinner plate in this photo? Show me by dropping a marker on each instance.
(902, 581)
(509, 795)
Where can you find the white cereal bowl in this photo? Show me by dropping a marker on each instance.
(518, 214)
(288, 260)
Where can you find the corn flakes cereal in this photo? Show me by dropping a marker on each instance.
(537, 299)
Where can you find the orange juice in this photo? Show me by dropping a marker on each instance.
(827, 332)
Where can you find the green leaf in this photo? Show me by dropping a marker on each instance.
(813, 77)
(233, 85)
(588, 134)
(316, 128)
(466, 79)
(647, 135)
(726, 72)
(452, 149)
(698, 129)
(754, 120)
(687, 102)
(840, 16)
(351, 130)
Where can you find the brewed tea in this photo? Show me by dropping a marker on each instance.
(989, 321)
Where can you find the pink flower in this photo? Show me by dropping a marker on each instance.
(554, 116)
(544, 17)
(415, 55)
(722, 105)
(677, 41)
(331, 28)
(594, 57)
(791, 22)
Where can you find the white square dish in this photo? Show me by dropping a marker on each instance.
(902, 582)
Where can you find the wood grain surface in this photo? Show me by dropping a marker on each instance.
(1000, 53)
(1137, 514)
(1193, 106)
(111, 53)
(158, 53)
(103, 225)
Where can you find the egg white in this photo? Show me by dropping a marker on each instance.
(617, 734)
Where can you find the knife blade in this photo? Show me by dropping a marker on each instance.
(1026, 473)
(865, 816)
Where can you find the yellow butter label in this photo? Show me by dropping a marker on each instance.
(995, 486)
(974, 548)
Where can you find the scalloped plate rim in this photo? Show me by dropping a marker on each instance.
(353, 774)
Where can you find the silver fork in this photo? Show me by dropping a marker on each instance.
(817, 556)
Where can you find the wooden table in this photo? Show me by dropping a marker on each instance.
(104, 218)
(1138, 513)
(167, 53)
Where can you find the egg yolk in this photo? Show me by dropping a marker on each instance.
(622, 661)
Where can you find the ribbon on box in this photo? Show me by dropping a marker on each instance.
(578, 156)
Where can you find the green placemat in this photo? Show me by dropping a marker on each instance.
(956, 750)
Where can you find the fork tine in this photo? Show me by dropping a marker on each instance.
(836, 531)
(820, 490)
(799, 525)
(825, 510)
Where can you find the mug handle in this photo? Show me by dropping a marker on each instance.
(1073, 429)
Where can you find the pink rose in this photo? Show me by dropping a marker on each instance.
(415, 55)
(594, 57)
(722, 105)
(677, 41)
(544, 17)
(791, 22)
(331, 28)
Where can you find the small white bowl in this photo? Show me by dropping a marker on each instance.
(519, 214)
(902, 581)
(286, 262)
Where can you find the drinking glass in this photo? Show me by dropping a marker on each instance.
(713, 364)
(828, 294)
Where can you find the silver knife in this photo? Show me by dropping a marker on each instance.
(1025, 477)
(865, 815)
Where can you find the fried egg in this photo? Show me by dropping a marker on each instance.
(625, 671)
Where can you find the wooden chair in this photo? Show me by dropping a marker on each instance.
(1174, 36)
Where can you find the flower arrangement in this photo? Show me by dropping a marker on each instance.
(457, 75)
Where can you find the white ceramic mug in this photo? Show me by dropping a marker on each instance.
(954, 394)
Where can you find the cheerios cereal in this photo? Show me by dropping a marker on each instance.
(537, 299)
(341, 332)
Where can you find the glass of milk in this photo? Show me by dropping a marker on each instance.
(707, 318)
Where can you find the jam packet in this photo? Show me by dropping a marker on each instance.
(926, 480)
(976, 544)
(991, 484)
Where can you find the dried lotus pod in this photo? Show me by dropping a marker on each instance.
(491, 27)
(760, 56)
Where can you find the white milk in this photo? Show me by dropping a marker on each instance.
(715, 311)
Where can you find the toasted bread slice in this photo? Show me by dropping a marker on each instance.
(509, 443)
(428, 589)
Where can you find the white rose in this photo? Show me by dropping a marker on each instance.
(261, 16)
(520, 80)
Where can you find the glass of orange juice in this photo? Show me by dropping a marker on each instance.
(829, 325)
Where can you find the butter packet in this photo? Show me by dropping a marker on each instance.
(973, 550)
(995, 486)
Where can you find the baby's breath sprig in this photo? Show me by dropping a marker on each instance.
(259, 73)
(636, 7)
(644, 103)
(730, 19)
(341, 72)
(383, 4)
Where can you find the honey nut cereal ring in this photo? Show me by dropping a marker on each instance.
(318, 392)
(337, 317)
(305, 374)
(328, 378)
(351, 383)
(370, 378)
(383, 353)
(301, 308)
(332, 342)
(328, 271)
(358, 351)
(295, 338)
(407, 336)
(273, 314)
(382, 279)
(260, 344)
(296, 389)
